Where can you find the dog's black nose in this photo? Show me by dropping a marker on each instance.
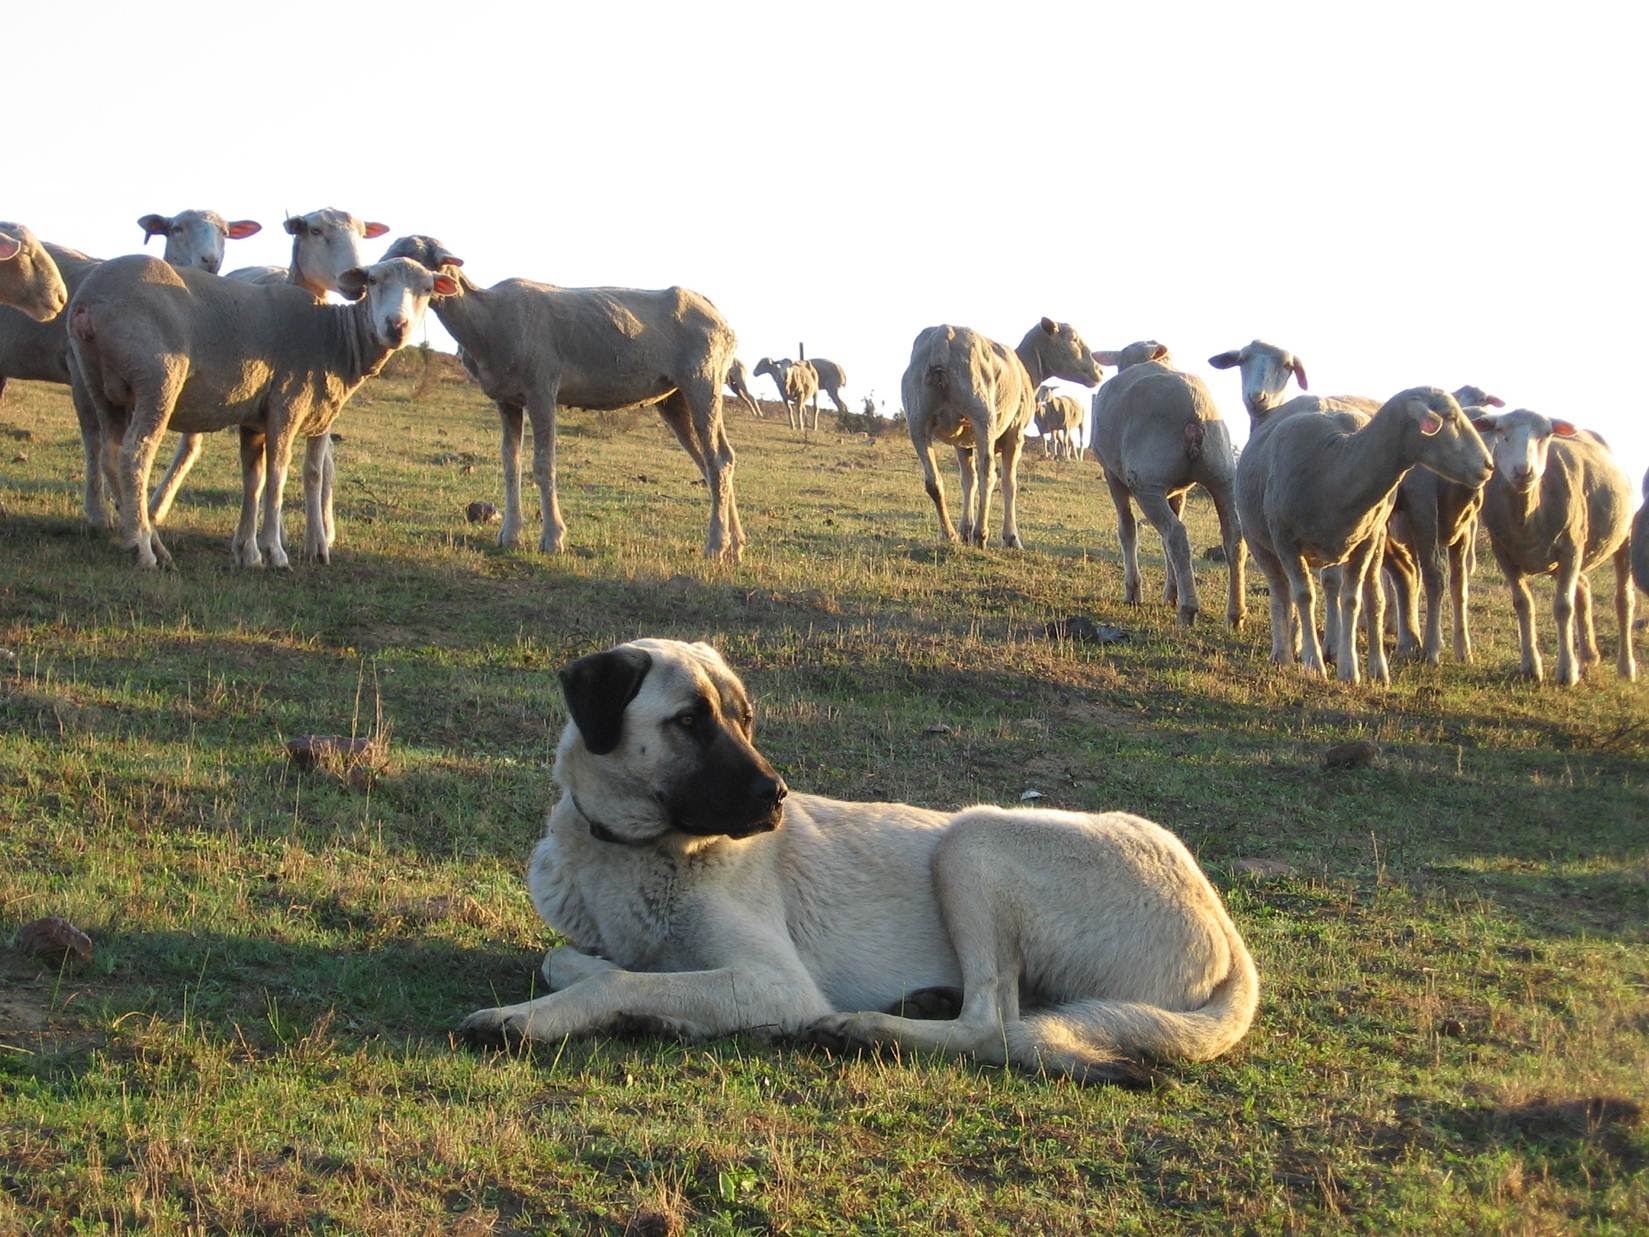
(771, 790)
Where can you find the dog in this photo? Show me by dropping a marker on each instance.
(701, 898)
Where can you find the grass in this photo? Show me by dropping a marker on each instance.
(1454, 943)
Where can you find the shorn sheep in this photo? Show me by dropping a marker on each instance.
(738, 382)
(1059, 421)
(154, 346)
(1157, 433)
(535, 347)
(798, 383)
(1558, 503)
(1313, 493)
(977, 396)
(29, 279)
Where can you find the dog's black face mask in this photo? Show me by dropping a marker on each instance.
(714, 783)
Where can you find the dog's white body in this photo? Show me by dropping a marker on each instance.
(1102, 926)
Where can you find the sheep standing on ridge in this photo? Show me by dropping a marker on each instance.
(972, 393)
(798, 382)
(738, 382)
(1311, 493)
(832, 378)
(1059, 421)
(535, 347)
(1157, 433)
(1558, 502)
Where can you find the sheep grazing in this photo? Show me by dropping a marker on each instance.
(1313, 493)
(1430, 538)
(324, 246)
(29, 279)
(196, 237)
(1640, 540)
(1059, 421)
(738, 382)
(535, 347)
(798, 382)
(972, 393)
(153, 346)
(832, 378)
(1157, 433)
(1558, 502)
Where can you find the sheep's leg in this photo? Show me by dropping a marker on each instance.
(317, 539)
(815, 412)
(1331, 583)
(277, 461)
(328, 476)
(144, 430)
(1236, 554)
(837, 400)
(1523, 606)
(541, 412)
(1283, 645)
(1625, 664)
(1564, 587)
(735, 525)
(1127, 538)
(98, 460)
(984, 486)
(1585, 633)
(1375, 598)
(509, 451)
(931, 482)
(244, 546)
(678, 415)
(964, 468)
(1459, 589)
(1176, 547)
(1403, 571)
(1302, 591)
(189, 447)
(1170, 577)
(1010, 491)
(1353, 573)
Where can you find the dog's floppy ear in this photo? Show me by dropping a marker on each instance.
(598, 688)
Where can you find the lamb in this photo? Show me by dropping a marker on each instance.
(535, 347)
(1311, 492)
(798, 382)
(40, 350)
(1432, 532)
(196, 237)
(1059, 421)
(738, 382)
(1157, 433)
(1558, 502)
(154, 346)
(971, 392)
(1640, 540)
(29, 278)
(324, 246)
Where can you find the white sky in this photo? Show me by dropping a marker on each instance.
(1400, 193)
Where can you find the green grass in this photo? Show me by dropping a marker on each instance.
(1454, 1033)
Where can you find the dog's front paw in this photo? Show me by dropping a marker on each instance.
(840, 1033)
(492, 1029)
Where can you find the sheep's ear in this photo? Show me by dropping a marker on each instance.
(1226, 360)
(1493, 401)
(10, 247)
(1564, 429)
(1485, 422)
(373, 231)
(154, 225)
(1106, 358)
(445, 285)
(352, 283)
(598, 689)
(240, 229)
(293, 225)
(1299, 375)
(1050, 326)
(1430, 422)
(448, 259)
(1160, 351)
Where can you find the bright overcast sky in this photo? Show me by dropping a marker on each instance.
(1401, 193)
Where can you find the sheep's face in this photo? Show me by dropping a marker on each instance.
(325, 244)
(1063, 354)
(1477, 397)
(29, 279)
(1447, 443)
(1266, 370)
(1519, 442)
(195, 238)
(426, 251)
(396, 293)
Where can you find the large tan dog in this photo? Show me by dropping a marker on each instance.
(702, 899)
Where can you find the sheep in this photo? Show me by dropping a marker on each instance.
(153, 346)
(1432, 532)
(195, 237)
(40, 350)
(1059, 421)
(971, 392)
(1312, 492)
(29, 279)
(738, 382)
(1157, 433)
(324, 246)
(832, 377)
(535, 347)
(1558, 502)
(798, 382)
(1640, 540)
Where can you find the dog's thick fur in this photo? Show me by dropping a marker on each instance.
(701, 900)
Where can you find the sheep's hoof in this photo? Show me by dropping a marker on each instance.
(1188, 616)
(1013, 542)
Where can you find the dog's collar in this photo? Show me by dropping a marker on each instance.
(601, 833)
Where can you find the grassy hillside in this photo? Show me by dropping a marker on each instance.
(1454, 942)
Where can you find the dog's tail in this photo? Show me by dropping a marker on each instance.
(1112, 1041)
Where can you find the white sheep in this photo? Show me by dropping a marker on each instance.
(798, 382)
(1059, 422)
(738, 382)
(29, 279)
(1558, 503)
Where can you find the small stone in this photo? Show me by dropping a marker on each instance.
(481, 513)
(1084, 630)
(1357, 754)
(54, 941)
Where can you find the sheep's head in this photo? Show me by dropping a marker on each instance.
(1519, 442)
(1136, 353)
(29, 279)
(325, 244)
(428, 252)
(1266, 370)
(1062, 353)
(194, 238)
(396, 293)
(1441, 435)
(1476, 397)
